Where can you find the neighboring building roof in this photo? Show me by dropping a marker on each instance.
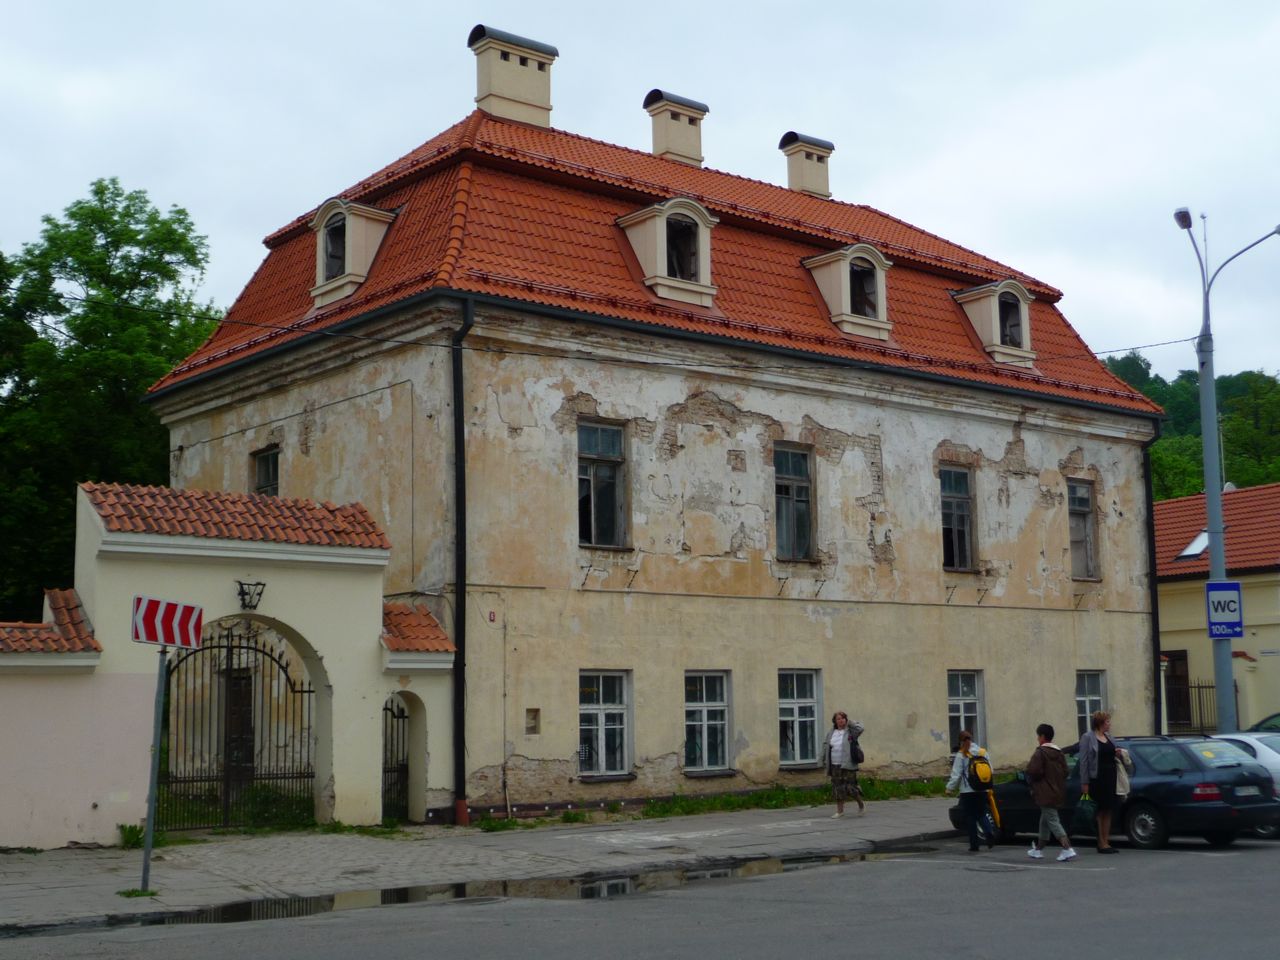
(68, 632)
(528, 214)
(126, 508)
(1251, 521)
(410, 629)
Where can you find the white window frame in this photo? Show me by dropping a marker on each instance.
(704, 715)
(1084, 542)
(1087, 700)
(965, 705)
(798, 713)
(613, 714)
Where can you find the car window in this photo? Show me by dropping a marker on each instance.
(1161, 757)
(1218, 753)
(1271, 742)
(1073, 762)
(1244, 745)
(1270, 723)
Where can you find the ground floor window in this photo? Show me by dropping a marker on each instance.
(706, 721)
(602, 722)
(964, 705)
(1090, 692)
(798, 716)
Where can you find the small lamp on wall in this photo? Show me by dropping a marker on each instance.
(249, 594)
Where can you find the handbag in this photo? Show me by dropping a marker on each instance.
(857, 754)
(1086, 813)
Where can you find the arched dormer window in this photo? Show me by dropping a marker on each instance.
(335, 246)
(852, 283)
(672, 242)
(1000, 313)
(347, 238)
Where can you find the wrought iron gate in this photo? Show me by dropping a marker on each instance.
(395, 759)
(236, 749)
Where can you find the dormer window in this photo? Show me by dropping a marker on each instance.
(852, 283)
(335, 246)
(1000, 314)
(863, 298)
(1010, 321)
(672, 242)
(347, 238)
(682, 248)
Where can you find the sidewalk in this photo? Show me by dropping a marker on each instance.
(78, 887)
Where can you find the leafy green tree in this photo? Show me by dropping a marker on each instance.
(91, 314)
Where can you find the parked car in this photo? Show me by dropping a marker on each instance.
(1194, 786)
(1269, 724)
(1265, 748)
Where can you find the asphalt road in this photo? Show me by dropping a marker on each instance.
(1188, 901)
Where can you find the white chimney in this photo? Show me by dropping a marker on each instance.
(513, 75)
(807, 167)
(677, 126)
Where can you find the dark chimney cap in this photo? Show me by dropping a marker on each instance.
(481, 32)
(791, 137)
(655, 95)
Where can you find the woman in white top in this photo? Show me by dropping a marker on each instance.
(838, 756)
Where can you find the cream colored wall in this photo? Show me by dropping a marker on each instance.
(700, 587)
(327, 604)
(1183, 627)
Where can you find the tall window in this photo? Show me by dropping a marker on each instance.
(335, 246)
(1084, 563)
(600, 485)
(1089, 695)
(706, 721)
(964, 704)
(792, 488)
(1010, 320)
(862, 288)
(797, 716)
(266, 471)
(602, 723)
(682, 247)
(957, 519)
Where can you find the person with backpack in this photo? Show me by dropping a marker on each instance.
(971, 773)
(1047, 777)
(842, 755)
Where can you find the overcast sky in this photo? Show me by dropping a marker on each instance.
(1055, 137)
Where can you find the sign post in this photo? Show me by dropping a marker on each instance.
(1225, 617)
(165, 624)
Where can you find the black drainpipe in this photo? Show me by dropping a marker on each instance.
(1152, 585)
(461, 816)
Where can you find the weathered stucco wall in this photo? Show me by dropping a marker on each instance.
(698, 585)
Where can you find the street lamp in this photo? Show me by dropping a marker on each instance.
(1222, 672)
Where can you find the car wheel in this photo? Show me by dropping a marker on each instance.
(1145, 827)
(1268, 832)
(1221, 838)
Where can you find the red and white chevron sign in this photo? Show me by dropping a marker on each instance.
(166, 622)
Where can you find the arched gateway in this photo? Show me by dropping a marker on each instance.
(279, 714)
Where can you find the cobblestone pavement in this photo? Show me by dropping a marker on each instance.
(77, 886)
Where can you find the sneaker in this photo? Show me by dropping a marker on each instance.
(837, 815)
(1067, 854)
(1035, 853)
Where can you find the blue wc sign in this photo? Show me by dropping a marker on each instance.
(1224, 608)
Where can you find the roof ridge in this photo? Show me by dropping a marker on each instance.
(457, 224)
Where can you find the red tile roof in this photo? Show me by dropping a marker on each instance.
(495, 207)
(68, 632)
(410, 629)
(1251, 518)
(126, 508)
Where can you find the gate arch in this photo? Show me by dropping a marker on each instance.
(238, 747)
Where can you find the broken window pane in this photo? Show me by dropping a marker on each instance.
(682, 248)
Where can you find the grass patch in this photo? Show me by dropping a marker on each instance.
(133, 892)
(778, 797)
(575, 816)
(386, 829)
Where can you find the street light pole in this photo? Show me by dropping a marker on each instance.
(1223, 676)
